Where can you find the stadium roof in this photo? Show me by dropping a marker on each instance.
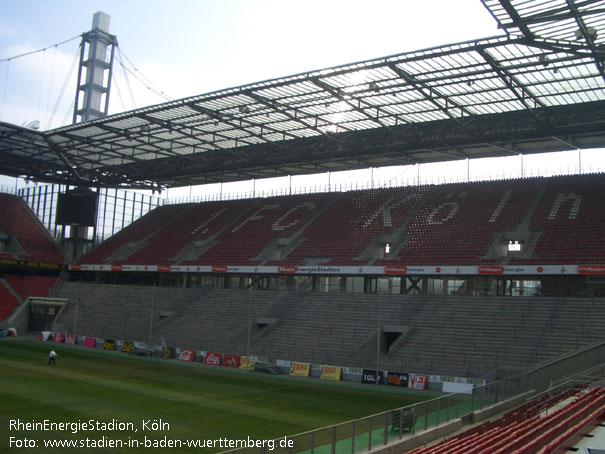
(538, 88)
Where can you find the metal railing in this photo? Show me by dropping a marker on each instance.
(365, 434)
(209, 194)
(371, 432)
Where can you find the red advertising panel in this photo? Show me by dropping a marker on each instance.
(286, 269)
(395, 270)
(231, 361)
(419, 382)
(187, 355)
(214, 359)
(492, 269)
(219, 269)
(90, 342)
(591, 269)
(70, 339)
(58, 338)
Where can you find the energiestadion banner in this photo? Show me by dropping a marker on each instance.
(428, 270)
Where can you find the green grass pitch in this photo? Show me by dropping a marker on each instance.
(120, 397)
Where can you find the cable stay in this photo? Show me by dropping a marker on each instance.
(141, 77)
(4, 89)
(123, 66)
(129, 69)
(50, 86)
(39, 50)
(118, 90)
(69, 74)
(41, 83)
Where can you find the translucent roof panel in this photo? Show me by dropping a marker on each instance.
(409, 107)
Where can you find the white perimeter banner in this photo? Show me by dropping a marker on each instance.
(436, 270)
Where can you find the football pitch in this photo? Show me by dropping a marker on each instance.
(110, 402)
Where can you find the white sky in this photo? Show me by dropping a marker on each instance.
(190, 47)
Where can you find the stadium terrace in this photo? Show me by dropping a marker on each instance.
(489, 293)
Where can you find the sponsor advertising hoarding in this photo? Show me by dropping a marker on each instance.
(300, 369)
(331, 372)
(397, 379)
(109, 344)
(419, 382)
(187, 355)
(369, 377)
(231, 361)
(212, 358)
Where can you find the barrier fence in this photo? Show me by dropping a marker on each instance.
(364, 434)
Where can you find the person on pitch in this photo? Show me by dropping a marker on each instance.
(51, 357)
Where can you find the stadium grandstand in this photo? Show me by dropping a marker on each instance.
(447, 287)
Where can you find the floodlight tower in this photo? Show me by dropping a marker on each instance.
(92, 101)
(96, 63)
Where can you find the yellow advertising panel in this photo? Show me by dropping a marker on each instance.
(331, 372)
(300, 369)
(109, 344)
(246, 363)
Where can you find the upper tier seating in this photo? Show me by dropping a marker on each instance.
(136, 232)
(26, 285)
(341, 234)
(458, 222)
(560, 218)
(571, 215)
(34, 242)
(8, 301)
(17, 282)
(39, 285)
(256, 224)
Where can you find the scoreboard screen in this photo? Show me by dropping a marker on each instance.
(77, 207)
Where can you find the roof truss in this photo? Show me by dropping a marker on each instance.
(490, 97)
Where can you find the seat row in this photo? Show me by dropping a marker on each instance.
(447, 224)
(526, 432)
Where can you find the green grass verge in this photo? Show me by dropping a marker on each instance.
(198, 403)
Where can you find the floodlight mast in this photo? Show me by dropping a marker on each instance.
(97, 52)
(96, 64)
